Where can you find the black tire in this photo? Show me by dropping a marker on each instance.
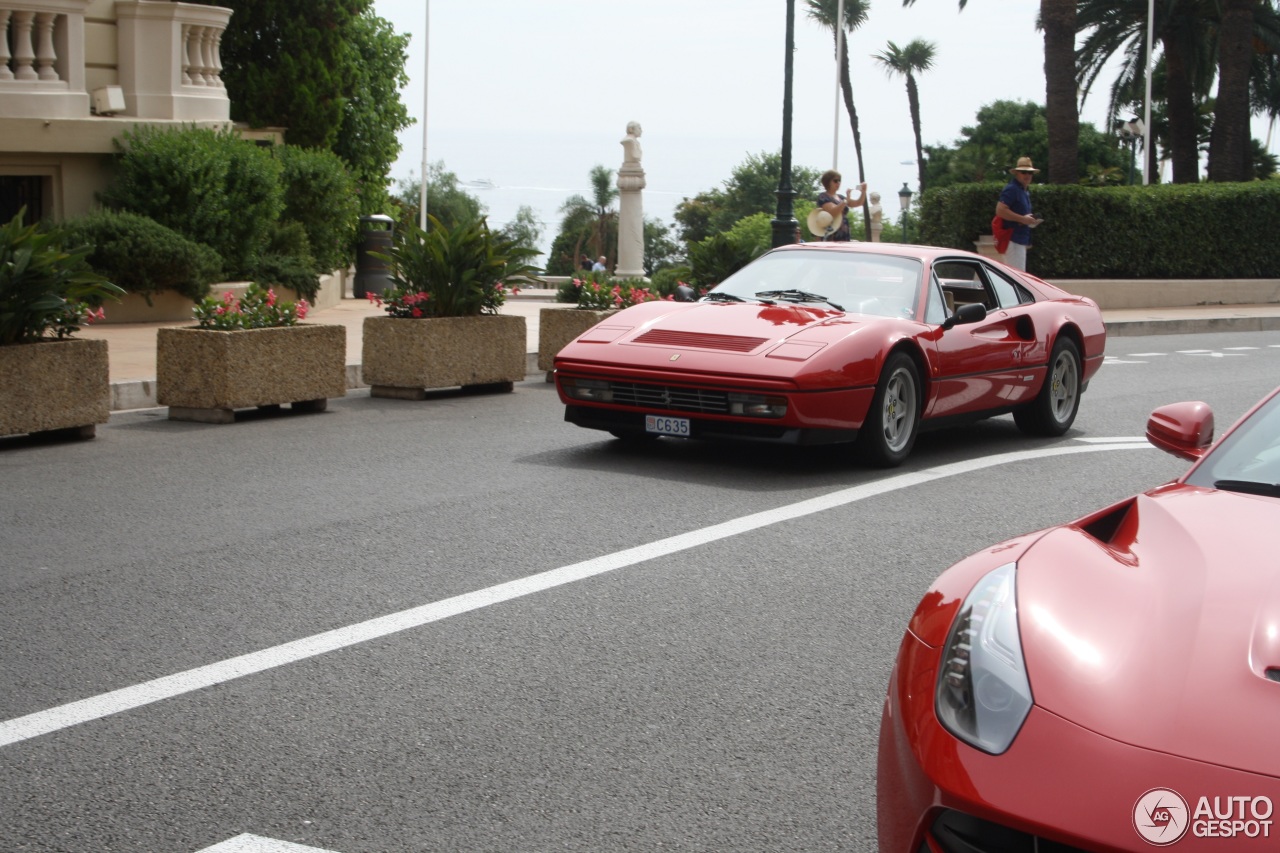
(889, 432)
(1053, 411)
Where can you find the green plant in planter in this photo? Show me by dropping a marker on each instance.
(601, 296)
(44, 287)
(257, 309)
(457, 272)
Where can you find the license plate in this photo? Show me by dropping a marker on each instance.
(666, 426)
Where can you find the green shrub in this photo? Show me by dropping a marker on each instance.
(144, 257)
(1161, 231)
(719, 256)
(665, 280)
(572, 289)
(618, 293)
(321, 195)
(287, 262)
(45, 287)
(453, 272)
(210, 186)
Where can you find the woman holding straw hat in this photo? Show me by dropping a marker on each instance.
(837, 206)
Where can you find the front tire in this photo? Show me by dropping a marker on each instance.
(889, 432)
(1053, 411)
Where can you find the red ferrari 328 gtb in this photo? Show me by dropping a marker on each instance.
(827, 343)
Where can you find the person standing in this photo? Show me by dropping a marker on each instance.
(837, 205)
(1014, 207)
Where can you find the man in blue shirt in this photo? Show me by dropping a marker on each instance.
(1014, 207)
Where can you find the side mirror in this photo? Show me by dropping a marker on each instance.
(965, 314)
(1183, 429)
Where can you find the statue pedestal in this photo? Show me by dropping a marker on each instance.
(630, 222)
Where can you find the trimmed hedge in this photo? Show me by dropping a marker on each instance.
(211, 186)
(142, 256)
(1211, 230)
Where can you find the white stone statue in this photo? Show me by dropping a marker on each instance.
(630, 207)
(631, 152)
(877, 217)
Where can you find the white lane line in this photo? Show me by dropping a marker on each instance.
(1115, 439)
(167, 687)
(247, 843)
(1146, 354)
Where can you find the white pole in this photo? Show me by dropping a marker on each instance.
(835, 135)
(426, 52)
(1146, 107)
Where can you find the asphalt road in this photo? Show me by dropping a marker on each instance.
(592, 647)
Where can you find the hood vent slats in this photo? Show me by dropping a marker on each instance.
(699, 340)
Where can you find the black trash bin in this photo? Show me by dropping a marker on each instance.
(372, 274)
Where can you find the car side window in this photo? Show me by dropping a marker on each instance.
(1008, 291)
(965, 282)
(936, 311)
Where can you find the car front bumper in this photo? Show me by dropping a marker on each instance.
(1058, 787)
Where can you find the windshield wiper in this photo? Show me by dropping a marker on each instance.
(721, 296)
(798, 296)
(1249, 487)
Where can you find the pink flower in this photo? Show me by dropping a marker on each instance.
(271, 298)
(417, 312)
(303, 307)
(228, 297)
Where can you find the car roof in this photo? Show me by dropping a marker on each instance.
(926, 253)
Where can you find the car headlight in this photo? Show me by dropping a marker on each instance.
(595, 390)
(983, 695)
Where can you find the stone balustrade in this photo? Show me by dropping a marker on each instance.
(164, 57)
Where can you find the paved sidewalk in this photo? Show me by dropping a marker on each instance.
(132, 346)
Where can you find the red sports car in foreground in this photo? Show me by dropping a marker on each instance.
(839, 342)
(1107, 685)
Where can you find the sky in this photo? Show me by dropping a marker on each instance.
(532, 95)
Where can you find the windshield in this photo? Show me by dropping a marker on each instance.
(1248, 460)
(864, 284)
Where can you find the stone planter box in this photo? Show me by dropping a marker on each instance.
(403, 357)
(205, 375)
(54, 385)
(558, 326)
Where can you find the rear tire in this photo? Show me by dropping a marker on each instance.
(889, 432)
(1053, 411)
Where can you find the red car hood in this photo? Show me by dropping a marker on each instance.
(1162, 636)
(770, 323)
(781, 341)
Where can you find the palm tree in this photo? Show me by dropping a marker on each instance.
(916, 56)
(593, 218)
(1058, 20)
(1230, 154)
(1183, 28)
(855, 15)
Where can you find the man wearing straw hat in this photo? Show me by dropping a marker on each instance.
(1014, 208)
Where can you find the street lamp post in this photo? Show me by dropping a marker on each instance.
(904, 198)
(784, 223)
(1130, 131)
